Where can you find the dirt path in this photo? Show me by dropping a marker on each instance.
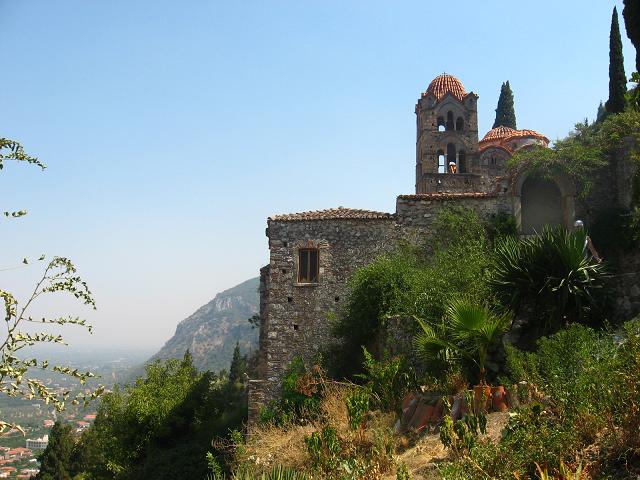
(421, 459)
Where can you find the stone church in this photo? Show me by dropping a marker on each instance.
(313, 254)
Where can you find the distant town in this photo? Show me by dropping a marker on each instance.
(19, 451)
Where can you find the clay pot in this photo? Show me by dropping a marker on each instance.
(498, 399)
(478, 392)
(428, 415)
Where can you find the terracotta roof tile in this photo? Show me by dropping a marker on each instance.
(443, 84)
(445, 196)
(497, 133)
(505, 134)
(333, 214)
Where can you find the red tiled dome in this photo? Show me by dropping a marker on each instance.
(530, 133)
(501, 135)
(498, 133)
(443, 84)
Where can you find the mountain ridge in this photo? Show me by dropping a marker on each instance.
(212, 331)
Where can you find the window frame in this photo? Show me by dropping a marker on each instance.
(309, 280)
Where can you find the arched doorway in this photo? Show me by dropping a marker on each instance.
(541, 203)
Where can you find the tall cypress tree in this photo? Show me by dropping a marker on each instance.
(55, 460)
(631, 14)
(505, 113)
(602, 113)
(238, 365)
(617, 78)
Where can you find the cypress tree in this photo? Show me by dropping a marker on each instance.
(631, 14)
(238, 365)
(55, 460)
(617, 78)
(601, 113)
(505, 113)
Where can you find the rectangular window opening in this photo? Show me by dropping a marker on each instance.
(308, 265)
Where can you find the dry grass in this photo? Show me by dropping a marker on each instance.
(422, 457)
(269, 445)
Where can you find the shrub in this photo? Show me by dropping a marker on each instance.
(572, 366)
(550, 273)
(300, 397)
(468, 330)
(388, 380)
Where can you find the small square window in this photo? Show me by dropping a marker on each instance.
(308, 265)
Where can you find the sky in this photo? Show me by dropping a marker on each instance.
(172, 130)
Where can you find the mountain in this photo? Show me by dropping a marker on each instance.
(212, 331)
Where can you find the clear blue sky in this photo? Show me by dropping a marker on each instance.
(172, 130)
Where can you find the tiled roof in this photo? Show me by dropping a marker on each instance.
(506, 133)
(443, 84)
(498, 133)
(445, 196)
(339, 213)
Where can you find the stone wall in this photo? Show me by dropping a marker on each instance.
(295, 317)
(625, 287)
(415, 214)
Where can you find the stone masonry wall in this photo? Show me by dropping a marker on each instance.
(415, 214)
(295, 317)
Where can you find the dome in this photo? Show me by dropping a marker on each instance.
(499, 133)
(499, 136)
(443, 84)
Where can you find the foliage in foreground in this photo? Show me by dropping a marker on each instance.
(162, 426)
(549, 273)
(59, 276)
(468, 330)
(415, 282)
(590, 390)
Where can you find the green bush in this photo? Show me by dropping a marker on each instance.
(300, 395)
(388, 380)
(414, 282)
(570, 367)
(549, 273)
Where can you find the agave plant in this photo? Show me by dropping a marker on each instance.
(468, 330)
(549, 271)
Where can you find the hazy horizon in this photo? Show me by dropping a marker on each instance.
(171, 131)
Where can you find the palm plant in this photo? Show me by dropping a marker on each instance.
(548, 271)
(468, 330)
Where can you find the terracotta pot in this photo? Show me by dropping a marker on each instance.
(498, 399)
(478, 392)
(428, 415)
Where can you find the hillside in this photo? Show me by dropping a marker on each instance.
(212, 331)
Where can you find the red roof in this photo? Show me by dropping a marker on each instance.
(443, 84)
(333, 214)
(503, 134)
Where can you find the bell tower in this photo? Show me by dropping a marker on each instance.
(447, 138)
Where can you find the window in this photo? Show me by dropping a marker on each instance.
(442, 168)
(308, 265)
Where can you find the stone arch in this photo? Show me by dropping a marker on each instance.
(450, 124)
(541, 201)
(451, 154)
